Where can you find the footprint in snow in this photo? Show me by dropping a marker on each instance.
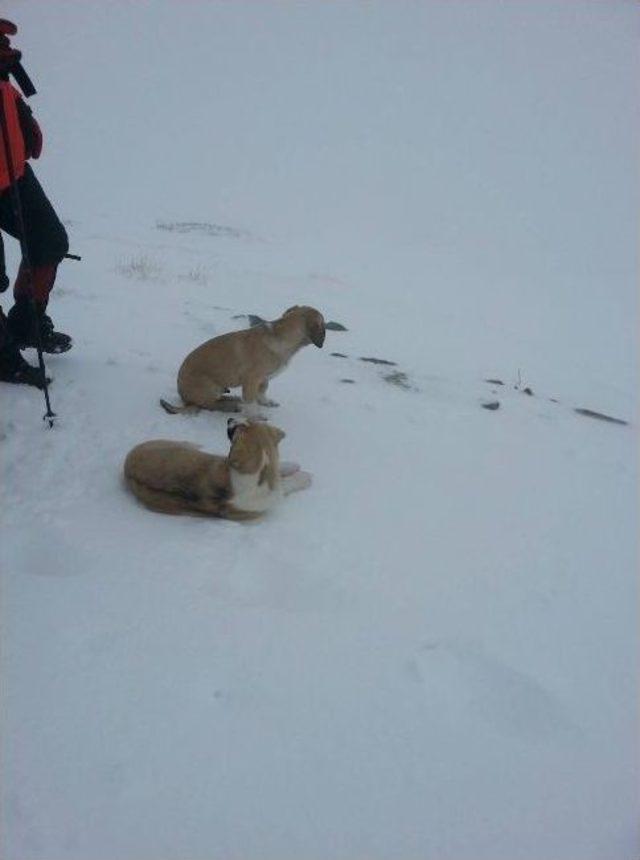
(463, 678)
(400, 379)
(45, 552)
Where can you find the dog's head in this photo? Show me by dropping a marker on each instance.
(234, 425)
(312, 323)
(253, 445)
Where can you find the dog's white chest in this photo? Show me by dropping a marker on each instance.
(249, 495)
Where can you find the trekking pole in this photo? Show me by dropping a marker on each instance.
(22, 238)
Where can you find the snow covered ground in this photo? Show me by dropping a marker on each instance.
(432, 653)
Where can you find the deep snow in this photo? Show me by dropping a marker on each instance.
(431, 653)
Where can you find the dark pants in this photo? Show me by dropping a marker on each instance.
(46, 237)
(3, 331)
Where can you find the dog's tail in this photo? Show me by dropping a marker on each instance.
(172, 409)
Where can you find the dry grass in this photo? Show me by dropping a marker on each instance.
(142, 268)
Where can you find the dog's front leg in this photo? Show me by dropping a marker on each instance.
(250, 401)
(288, 468)
(263, 400)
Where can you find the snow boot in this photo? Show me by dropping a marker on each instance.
(14, 369)
(22, 323)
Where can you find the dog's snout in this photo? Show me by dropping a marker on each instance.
(317, 332)
(232, 425)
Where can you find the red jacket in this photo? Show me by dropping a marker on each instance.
(10, 96)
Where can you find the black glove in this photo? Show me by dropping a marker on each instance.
(8, 55)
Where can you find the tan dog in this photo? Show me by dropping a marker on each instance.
(178, 478)
(247, 358)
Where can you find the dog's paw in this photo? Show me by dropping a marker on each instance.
(298, 481)
(288, 468)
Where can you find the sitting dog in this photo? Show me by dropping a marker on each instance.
(179, 478)
(247, 358)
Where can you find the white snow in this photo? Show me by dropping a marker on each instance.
(431, 653)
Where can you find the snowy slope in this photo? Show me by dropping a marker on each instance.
(432, 653)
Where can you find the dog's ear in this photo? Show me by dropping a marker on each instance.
(276, 434)
(246, 454)
(316, 328)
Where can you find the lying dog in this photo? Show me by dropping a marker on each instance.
(178, 478)
(247, 358)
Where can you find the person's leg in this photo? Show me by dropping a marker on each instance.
(46, 238)
(13, 367)
(47, 244)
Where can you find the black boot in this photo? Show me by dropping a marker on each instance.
(14, 369)
(23, 320)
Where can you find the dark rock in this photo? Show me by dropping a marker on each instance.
(600, 416)
(351, 381)
(254, 319)
(339, 355)
(495, 381)
(378, 361)
(528, 391)
(493, 405)
(335, 326)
